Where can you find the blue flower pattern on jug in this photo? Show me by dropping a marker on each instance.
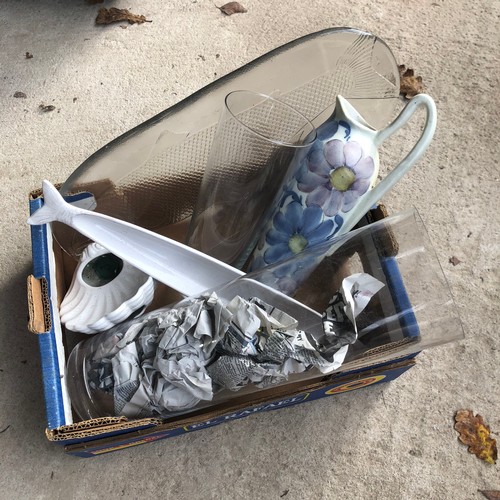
(294, 229)
(328, 179)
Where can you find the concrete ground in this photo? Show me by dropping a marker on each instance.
(392, 441)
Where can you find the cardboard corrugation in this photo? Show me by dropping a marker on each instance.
(387, 348)
(39, 317)
(96, 427)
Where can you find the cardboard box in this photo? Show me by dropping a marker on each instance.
(51, 275)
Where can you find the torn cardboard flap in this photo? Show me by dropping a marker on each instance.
(96, 427)
(39, 319)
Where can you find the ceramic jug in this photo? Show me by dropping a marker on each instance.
(332, 184)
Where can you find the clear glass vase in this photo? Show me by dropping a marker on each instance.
(256, 141)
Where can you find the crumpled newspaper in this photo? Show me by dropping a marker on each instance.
(171, 360)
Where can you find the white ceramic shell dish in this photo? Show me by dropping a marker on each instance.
(104, 292)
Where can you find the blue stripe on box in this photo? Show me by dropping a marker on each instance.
(400, 297)
(51, 375)
(46, 341)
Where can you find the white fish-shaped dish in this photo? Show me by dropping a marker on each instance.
(184, 269)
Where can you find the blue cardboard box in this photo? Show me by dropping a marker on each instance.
(103, 435)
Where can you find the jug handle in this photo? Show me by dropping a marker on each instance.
(427, 134)
(375, 194)
(421, 145)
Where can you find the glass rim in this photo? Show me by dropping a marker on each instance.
(280, 103)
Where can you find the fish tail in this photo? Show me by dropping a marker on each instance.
(54, 207)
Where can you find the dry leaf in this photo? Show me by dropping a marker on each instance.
(475, 433)
(232, 8)
(114, 15)
(409, 84)
(20, 94)
(46, 108)
(454, 260)
(490, 494)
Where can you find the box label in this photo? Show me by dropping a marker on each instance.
(275, 405)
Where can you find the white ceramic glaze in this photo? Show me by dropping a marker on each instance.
(166, 260)
(332, 185)
(184, 269)
(95, 303)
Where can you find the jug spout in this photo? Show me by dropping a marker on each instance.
(347, 113)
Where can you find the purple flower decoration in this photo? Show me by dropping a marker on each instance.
(335, 176)
(295, 229)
